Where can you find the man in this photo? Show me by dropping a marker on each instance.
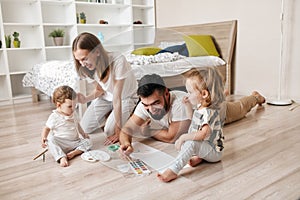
(162, 115)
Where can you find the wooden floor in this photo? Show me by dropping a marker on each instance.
(261, 161)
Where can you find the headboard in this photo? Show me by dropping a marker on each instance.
(223, 33)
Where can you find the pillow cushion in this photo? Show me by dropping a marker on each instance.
(181, 49)
(200, 45)
(146, 51)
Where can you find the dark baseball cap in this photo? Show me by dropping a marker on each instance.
(150, 79)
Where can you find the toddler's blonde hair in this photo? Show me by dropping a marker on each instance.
(210, 79)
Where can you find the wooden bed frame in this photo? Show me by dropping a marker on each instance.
(224, 35)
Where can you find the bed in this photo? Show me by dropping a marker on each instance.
(46, 76)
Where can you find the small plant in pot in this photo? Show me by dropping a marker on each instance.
(58, 36)
(16, 41)
(82, 18)
(8, 41)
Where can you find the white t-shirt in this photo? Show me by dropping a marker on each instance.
(177, 111)
(62, 126)
(120, 69)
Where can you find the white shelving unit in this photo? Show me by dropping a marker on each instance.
(35, 19)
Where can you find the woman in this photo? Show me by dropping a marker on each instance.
(115, 86)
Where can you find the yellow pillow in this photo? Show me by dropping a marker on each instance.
(146, 51)
(200, 45)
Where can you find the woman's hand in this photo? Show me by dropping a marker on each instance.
(81, 98)
(112, 139)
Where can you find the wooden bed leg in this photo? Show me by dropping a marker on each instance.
(34, 95)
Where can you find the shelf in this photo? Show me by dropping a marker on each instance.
(21, 24)
(27, 11)
(35, 19)
(58, 47)
(104, 25)
(142, 25)
(56, 2)
(105, 5)
(20, 1)
(142, 3)
(142, 6)
(58, 24)
(24, 49)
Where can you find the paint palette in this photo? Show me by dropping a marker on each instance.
(139, 167)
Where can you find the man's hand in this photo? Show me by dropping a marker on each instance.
(125, 150)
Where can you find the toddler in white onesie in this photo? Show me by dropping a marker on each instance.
(61, 133)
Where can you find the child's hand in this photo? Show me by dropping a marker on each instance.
(179, 142)
(85, 135)
(186, 101)
(44, 142)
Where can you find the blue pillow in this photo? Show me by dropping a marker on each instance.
(181, 49)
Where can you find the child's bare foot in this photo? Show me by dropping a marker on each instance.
(167, 176)
(195, 160)
(259, 98)
(63, 162)
(73, 153)
(226, 92)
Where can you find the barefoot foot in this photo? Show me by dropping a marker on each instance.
(195, 160)
(167, 176)
(259, 98)
(63, 162)
(73, 153)
(226, 92)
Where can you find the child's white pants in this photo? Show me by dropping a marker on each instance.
(59, 147)
(190, 148)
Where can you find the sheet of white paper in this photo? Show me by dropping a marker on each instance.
(155, 158)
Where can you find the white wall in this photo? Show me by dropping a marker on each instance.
(258, 39)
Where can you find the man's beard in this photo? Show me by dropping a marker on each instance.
(160, 115)
(162, 112)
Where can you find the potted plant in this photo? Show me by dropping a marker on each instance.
(16, 41)
(82, 18)
(8, 41)
(58, 36)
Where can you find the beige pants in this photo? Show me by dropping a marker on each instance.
(238, 109)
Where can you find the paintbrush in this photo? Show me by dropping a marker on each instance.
(40, 154)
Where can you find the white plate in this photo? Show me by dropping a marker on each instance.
(95, 155)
